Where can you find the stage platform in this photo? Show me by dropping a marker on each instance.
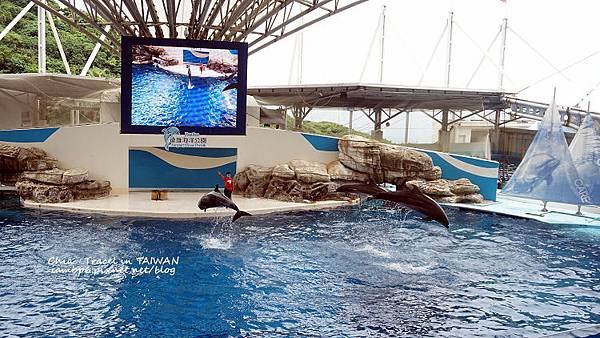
(558, 213)
(179, 205)
(184, 205)
(195, 70)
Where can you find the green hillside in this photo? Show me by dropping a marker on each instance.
(326, 128)
(18, 49)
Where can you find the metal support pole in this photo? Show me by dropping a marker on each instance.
(15, 20)
(59, 44)
(502, 54)
(299, 114)
(41, 16)
(406, 127)
(377, 133)
(92, 57)
(495, 138)
(449, 56)
(300, 53)
(350, 122)
(293, 63)
(381, 56)
(444, 132)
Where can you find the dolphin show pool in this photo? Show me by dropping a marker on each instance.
(204, 104)
(353, 271)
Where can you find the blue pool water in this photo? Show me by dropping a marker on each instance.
(163, 98)
(329, 273)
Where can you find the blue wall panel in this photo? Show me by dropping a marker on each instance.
(149, 171)
(488, 185)
(33, 135)
(322, 143)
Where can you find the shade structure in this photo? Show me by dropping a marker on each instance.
(585, 151)
(369, 96)
(56, 85)
(547, 171)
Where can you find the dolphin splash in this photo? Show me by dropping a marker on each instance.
(412, 199)
(215, 199)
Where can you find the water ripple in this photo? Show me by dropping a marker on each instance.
(337, 273)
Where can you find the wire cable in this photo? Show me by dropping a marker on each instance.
(485, 53)
(539, 54)
(437, 45)
(483, 57)
(560, 70)
(362, 73)
(589, 92)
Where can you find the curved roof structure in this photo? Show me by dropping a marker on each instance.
(361, 96)
(258, 22)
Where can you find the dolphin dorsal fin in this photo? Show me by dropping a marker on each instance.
(216, 188)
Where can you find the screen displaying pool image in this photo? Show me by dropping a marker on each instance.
(197, 86)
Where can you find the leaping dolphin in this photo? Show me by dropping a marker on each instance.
(216, 199)
(231, 86)
(412, 199)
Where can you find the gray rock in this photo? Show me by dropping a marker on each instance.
(17, 159)
(36, 177)
(361, 154)
(385, 162)
(337, 171)
(74, 176)
(253, 180)
(309, 172)
(52, 176)
(49, 193)
(44, 193)
(432, 188)
(288, 190)
(472, 198)
(463, 186)
(284, 171)
(91, 190)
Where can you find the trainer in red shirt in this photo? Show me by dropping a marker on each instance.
(228, 181)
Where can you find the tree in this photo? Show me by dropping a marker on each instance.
(18, 49)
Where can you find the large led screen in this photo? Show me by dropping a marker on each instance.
(196, 86)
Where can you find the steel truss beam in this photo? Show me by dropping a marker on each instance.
(388, 113)
(77, 24)
(260, 23)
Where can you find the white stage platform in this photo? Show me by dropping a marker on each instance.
(558, 213)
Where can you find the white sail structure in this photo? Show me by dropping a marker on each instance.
(547, 172)
(585, 151)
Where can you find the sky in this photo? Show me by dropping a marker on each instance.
(543, 37)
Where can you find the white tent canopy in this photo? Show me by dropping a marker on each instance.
(56, 85)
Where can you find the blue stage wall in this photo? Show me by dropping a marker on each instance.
(147, 170)
(32, 135)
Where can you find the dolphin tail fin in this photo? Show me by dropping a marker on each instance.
(216, 188)
(239, 214)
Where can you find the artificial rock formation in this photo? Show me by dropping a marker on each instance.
(296, 181)
(361, 160)
(458, 191)
(15, 160)
(385, 162)
(221, 67)
(149, 54)
(36, 177)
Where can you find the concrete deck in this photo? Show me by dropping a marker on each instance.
(184, 205)
(179, 205)
(558, 213)
(182, 70)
